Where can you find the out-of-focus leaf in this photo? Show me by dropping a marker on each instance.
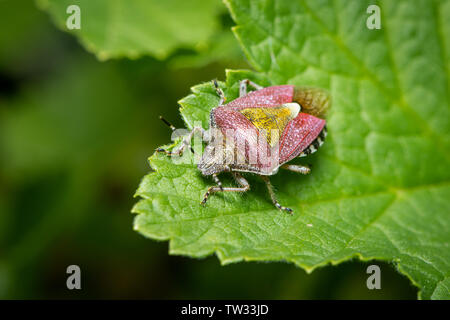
(222, 47)
(122, 28)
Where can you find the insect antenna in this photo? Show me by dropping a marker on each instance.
(167, 123)
(172, 127)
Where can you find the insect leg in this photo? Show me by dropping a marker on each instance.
(244, 186)
(216, 179)
(219, 92)
(186, 143)
(296, 168)
(273, 197)
(243, 87)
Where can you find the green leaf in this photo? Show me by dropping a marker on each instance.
(222, 47)
(380, 185)
(119, 28)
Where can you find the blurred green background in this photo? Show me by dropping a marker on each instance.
(75, 134)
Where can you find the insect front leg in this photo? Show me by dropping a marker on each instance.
(243, 86)
(185, 143)
(296, 168)
(273, 197)
(245, 186)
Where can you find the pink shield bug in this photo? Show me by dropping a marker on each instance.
(260, 132)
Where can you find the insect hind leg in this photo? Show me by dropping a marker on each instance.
(273, 196)
(296, 168)
(243, 87)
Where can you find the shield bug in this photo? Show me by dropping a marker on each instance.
(260, 132)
